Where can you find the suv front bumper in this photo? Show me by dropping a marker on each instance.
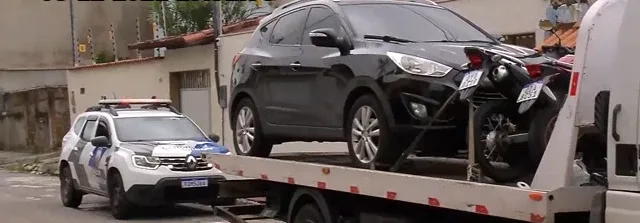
(169, 191)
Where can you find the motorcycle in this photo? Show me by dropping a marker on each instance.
(501, 127)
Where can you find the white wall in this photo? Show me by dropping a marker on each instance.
(503, 16)
(128, 80)
(230, 45)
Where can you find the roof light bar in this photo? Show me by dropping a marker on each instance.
(133, 101)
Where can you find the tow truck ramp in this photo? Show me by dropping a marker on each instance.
(481, 198)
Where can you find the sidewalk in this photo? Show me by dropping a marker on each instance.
(35, 163)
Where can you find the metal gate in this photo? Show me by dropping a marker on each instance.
(195, 97)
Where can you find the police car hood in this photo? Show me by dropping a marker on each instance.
(174, 148)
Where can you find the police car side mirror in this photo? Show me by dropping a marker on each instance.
(215, 138)
(100, 141)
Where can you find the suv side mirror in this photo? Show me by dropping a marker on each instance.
(215, 138)
(499, 37)
(100, 141)
(325, 37)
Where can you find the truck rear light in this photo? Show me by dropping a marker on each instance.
(535, 70)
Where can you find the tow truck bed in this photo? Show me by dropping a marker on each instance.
(327, 172)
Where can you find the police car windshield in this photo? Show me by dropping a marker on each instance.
(140, 129)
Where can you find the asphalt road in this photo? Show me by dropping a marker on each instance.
(29, 198)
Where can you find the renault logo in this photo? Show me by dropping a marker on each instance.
(191, 162)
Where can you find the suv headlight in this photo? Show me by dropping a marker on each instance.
(419, 66)
(145, 162)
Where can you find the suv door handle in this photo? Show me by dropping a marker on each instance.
(256, 64)
(295, 65)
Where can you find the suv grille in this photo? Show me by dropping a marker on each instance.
(178, 163)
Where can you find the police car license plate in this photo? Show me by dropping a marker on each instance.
(191, 183)
(530, 92)
(470, 79)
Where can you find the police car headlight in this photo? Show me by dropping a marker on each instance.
(145, 162)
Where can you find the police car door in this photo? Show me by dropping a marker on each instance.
(80, 154)
(97, 157)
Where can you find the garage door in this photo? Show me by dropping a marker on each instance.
(195, 97)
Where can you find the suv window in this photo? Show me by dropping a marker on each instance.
(288, 29)
(266, 29)
(412, 22)
(89, 129)
(103, 128)
(77, 127)
(320, 17)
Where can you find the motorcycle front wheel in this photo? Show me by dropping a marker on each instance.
(498, 159)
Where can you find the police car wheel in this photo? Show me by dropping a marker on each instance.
(68, 193)
(118, 202)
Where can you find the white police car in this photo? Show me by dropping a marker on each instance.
(146, 156)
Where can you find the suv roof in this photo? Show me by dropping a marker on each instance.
(121, 108)
(277, 11)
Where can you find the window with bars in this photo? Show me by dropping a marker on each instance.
(195, 79)
(524, 39)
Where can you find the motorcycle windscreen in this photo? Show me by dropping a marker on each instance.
(471, 82)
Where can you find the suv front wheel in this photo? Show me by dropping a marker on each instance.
(369, 136)
(247, 131)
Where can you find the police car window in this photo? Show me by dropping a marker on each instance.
(320, 17)
(77, 127)
(141, 129)
(288, 29)
(89, 129)
(103, 128)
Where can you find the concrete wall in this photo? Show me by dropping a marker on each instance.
(141, 80)
(21, 80)
(34, 120)
(230, 46)
(37, 34)
(127, 80)
(503, 16)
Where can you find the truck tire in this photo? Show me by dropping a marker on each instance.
(71, 197)
(121, 207)
(246, 119)
(540, 132)
(360, 136)
(519, 162)
(308, 213)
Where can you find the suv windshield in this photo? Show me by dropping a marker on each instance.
(157, 129)
(411, 22)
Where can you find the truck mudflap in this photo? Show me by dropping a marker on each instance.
(487, 199)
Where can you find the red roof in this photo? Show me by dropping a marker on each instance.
(203, 37)
(568, 36)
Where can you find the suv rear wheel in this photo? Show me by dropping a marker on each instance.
(368, 134)
(247, 131)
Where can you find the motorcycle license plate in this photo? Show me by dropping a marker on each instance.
(530, 92)
(470, 79)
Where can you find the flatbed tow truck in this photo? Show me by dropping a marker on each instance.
(323, 188)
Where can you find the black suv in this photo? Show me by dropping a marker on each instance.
(371, 73)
